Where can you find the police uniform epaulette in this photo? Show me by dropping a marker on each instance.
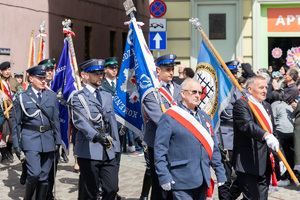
(87, 93)
(103, 89)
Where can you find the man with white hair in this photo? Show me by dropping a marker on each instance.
(252, 144)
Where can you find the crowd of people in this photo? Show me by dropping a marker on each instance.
(179, 145)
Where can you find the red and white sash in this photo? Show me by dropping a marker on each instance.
(47, 87)
(261, 111)
(266, 118)
(168, 97)
(6, 87)
(190, 123)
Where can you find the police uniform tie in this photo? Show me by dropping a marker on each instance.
(98, 96)
(39, 94)
(113, 86)
(168, 88)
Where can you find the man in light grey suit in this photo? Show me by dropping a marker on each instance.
(182, 155)
(92, 138)
(165, 71)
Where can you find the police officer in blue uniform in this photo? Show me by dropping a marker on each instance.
(36, 131)
(225, 136)
(165, 71)
(97, 131)
(49, 63)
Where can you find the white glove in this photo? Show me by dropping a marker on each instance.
(282, 168)
(167, 186)
(272, 142)
(221, 183)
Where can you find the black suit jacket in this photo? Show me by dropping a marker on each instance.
(251, 153)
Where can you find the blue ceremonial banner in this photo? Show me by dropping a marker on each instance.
(216, 86)
(64, 84)
(136, 79)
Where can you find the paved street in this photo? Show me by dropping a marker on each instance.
(130, 182)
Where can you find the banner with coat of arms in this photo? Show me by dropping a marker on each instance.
(216, 86)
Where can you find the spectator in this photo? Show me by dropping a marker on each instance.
(246, 68)
(180, 77)
(291, 91)
(188, 73)
(278, 81)
(284, 123)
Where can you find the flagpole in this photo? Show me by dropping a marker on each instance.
(42, 30)
(29, 57)
(197, 25)
(68, 31)
(129, 8)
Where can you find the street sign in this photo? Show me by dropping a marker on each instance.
(158, 25)
(157, 8)
(5, 51)
(158, 40)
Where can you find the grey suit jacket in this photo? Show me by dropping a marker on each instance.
(84, 147)
(34, 140)
(153, 111)
(180, 157)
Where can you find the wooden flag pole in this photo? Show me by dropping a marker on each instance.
(129, 8)
(68, 31)
(196, 24)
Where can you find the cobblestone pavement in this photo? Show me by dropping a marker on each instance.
(130, 181)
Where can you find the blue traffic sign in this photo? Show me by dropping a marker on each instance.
(158, 40)
(158, 8)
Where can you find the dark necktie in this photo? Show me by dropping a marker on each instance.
(168, 88)
(98, 96)
(113, 86)
(39, 95)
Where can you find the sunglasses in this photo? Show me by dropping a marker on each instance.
(194, 92)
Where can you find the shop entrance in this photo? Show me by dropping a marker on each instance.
(281, 48)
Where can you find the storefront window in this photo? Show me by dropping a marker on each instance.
(281, 48)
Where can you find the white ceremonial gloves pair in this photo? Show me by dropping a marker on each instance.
(167, 186)
(272, 142)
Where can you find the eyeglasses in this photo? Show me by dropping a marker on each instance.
(194, 92)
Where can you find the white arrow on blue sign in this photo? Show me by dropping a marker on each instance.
(158, 40)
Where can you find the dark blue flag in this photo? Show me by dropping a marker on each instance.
(64, 84)
(136, 79)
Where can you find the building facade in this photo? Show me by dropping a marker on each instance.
(98, 26)
(251, 29)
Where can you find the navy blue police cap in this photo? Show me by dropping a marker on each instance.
(39, 71)
(93, 66)
(166, 60)
(5, 65)
(49, 62)
(233, 65)
(111, 62)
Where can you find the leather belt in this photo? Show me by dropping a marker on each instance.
(41, 129)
